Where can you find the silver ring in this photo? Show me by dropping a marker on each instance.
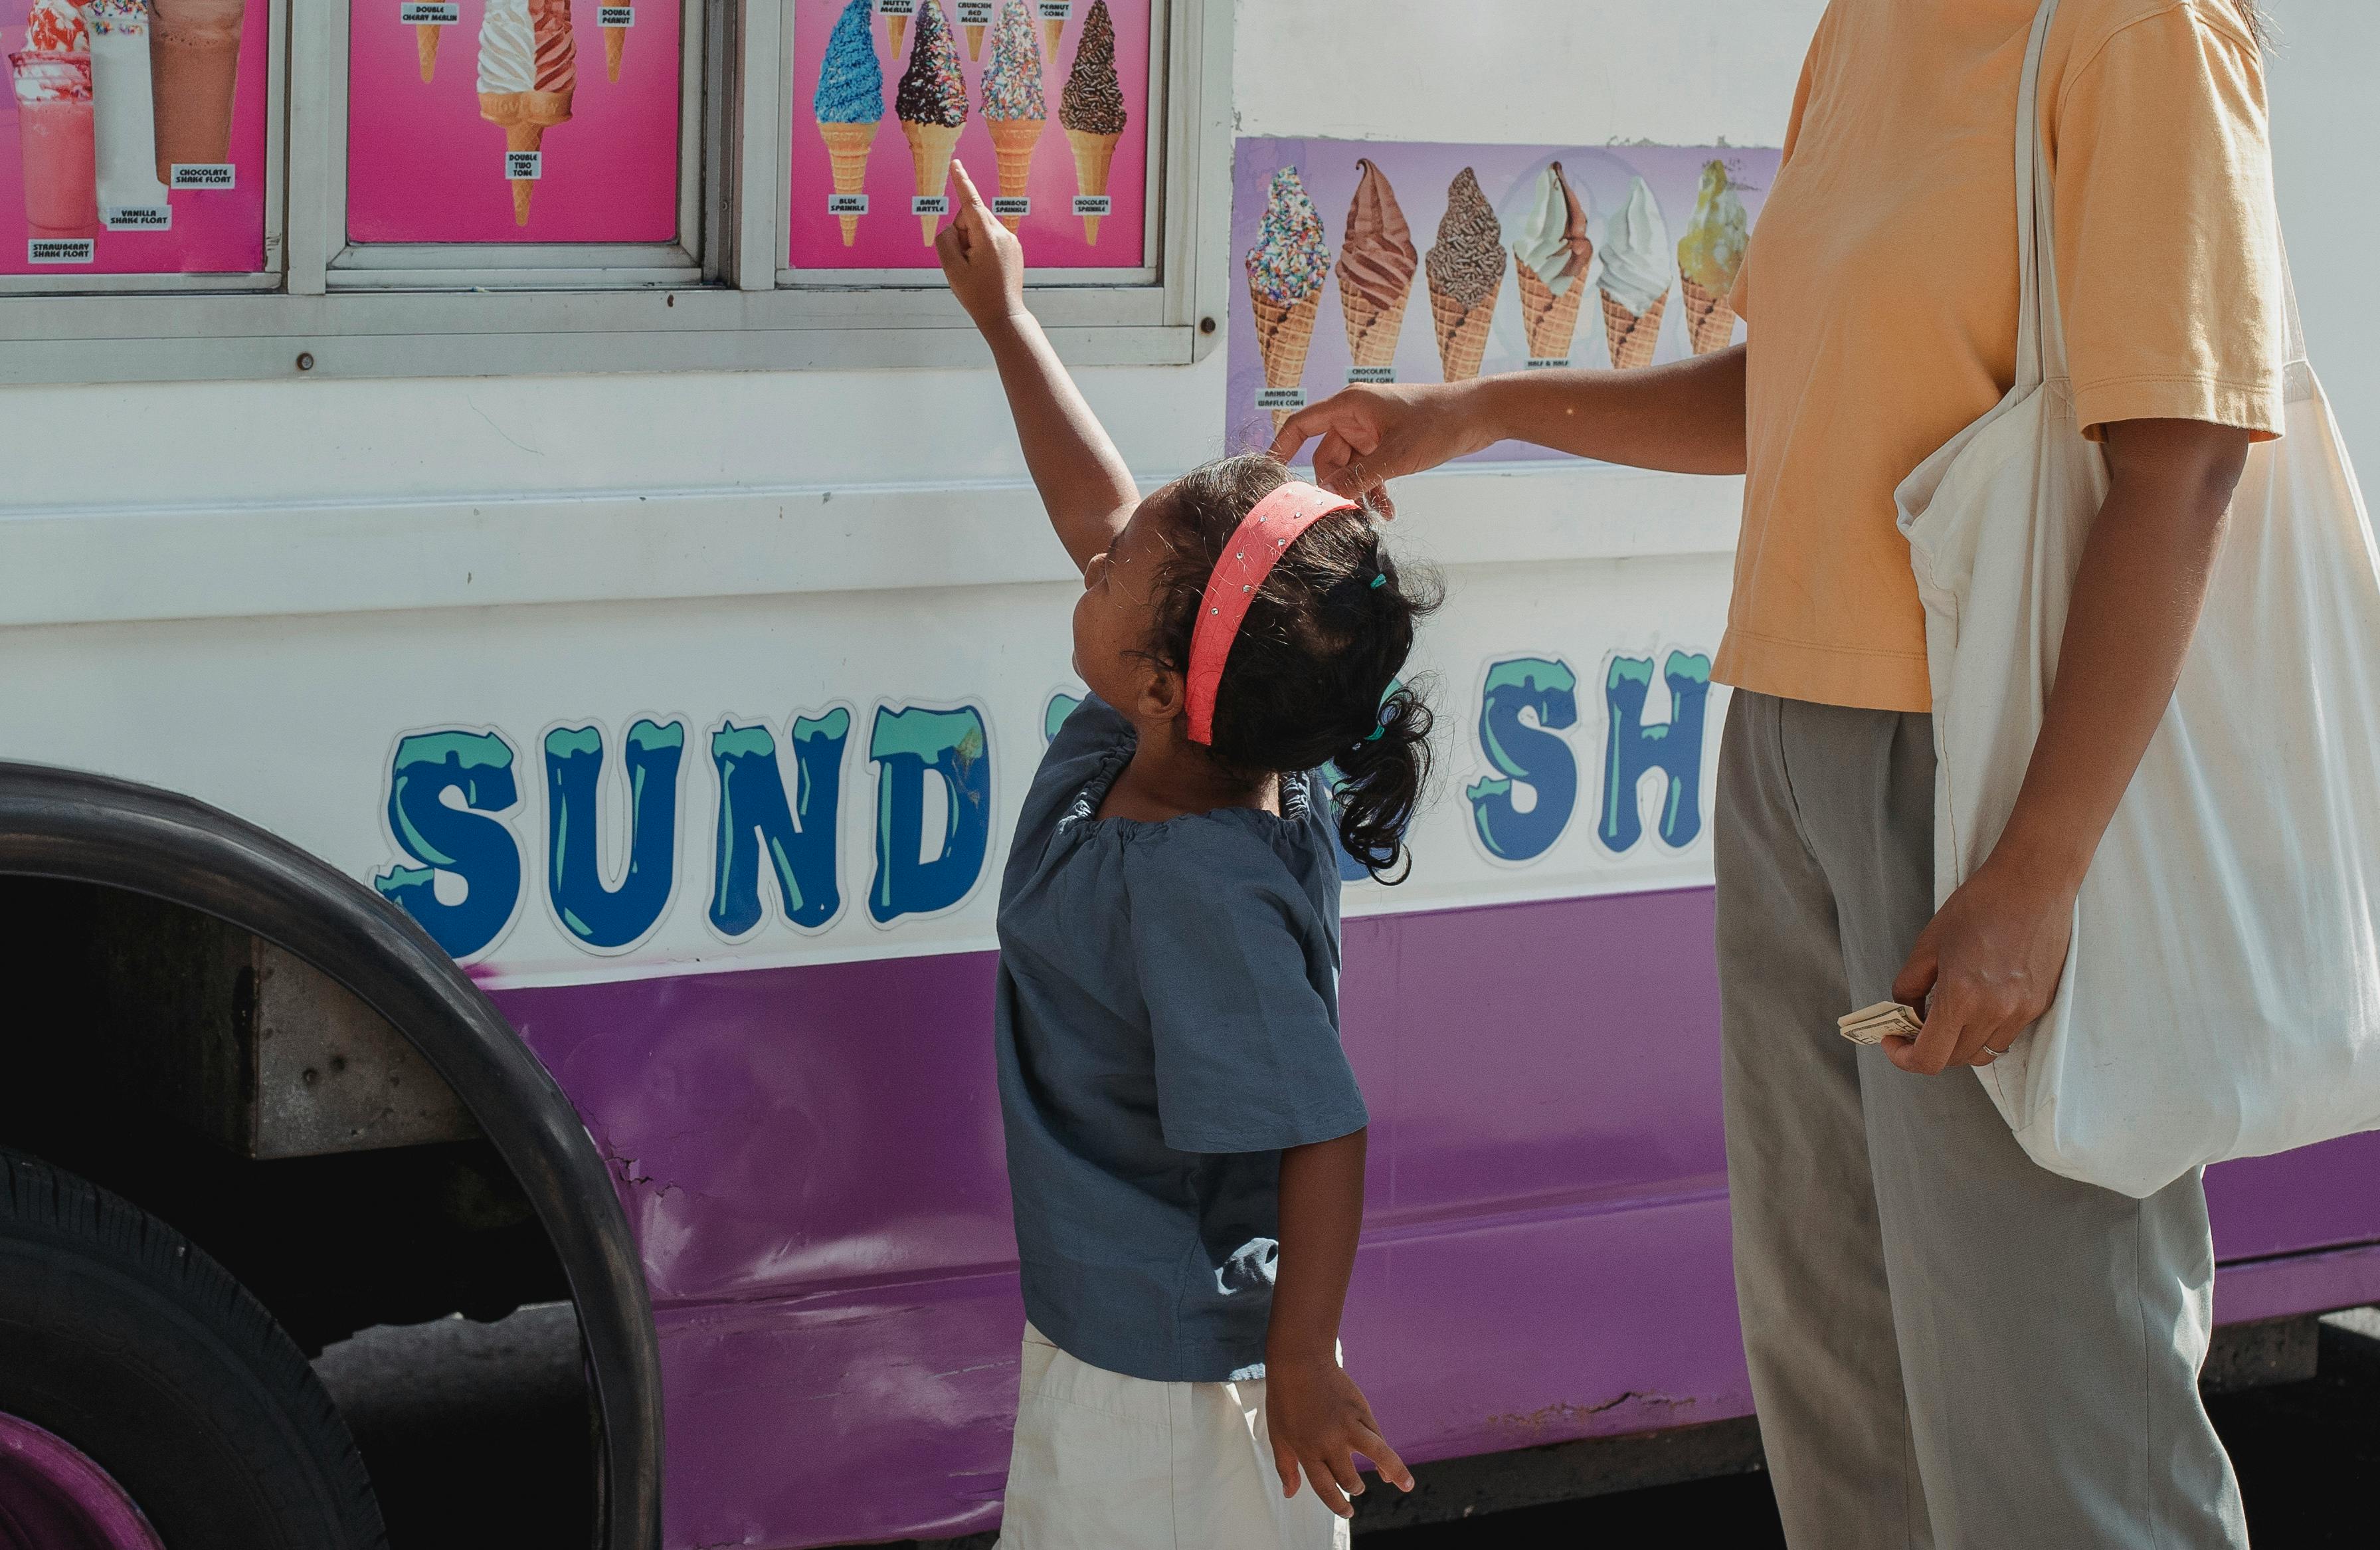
(1995, 1054)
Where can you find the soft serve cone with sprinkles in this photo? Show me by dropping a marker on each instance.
(1014, 109)
(932, 108)
(1466, 272)
(1092, 110)
(1286, 269)
(848, 105)
(1708, 257)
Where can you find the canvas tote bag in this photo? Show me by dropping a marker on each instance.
(2221, 996)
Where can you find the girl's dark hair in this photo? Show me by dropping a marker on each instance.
(1308, 681)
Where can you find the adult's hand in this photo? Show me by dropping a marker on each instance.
(1984, 969)
(1372, 433)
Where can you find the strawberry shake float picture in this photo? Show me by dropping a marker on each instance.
(51, 75)
(848, 105)
(1636, 280)
(125, 115)
(1466, 271)
(1286, 269)
(1014, 108)
(529, 72)
(1708, 256)
(1550, 255)
(1091, 111)
(1376, 265)
(932, 106)
(194, 66)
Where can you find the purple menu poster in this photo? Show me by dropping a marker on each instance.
(1371, 261)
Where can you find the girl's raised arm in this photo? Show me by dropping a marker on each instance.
(1084, 483)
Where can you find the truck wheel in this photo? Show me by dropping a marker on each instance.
(145, 1397)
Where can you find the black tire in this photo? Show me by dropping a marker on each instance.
(122, 1337)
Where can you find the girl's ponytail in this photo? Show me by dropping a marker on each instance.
(1381, 781)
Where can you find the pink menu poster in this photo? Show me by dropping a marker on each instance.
(513, 121)
(134, 142)
(874, 90)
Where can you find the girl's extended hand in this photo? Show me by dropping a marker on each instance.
(1984, 969)
(1320, 1419)
(982, 259)
(1372, 433)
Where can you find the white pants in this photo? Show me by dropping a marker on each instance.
(1107, 1462)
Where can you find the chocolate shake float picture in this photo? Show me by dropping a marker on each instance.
(194, 67)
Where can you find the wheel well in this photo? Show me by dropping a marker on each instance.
(524, 1211)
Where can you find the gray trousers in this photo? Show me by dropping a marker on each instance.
(1950, 1346)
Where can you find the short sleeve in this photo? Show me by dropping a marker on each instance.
(1739, 295)
(1246, 1048)
(2169, 253)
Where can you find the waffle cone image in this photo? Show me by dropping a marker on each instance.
(1284, 332)
(425, 45)
(847, 149)
(1551, 321)
(975, 31)
(1711, 321)
(525, 116)
(615, 43)
(1093, 154)
(1632, 336)
(894, 27)
(1461, 331)
(1052, 27)
(1372, 329)
(1013, 140)
(930, 154)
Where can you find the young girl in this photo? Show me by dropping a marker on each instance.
(1185, 1141)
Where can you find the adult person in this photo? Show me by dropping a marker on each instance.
(1949, 1346)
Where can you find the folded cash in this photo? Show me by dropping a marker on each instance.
(1870, 1024)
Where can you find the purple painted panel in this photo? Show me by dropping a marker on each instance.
(811, 1158)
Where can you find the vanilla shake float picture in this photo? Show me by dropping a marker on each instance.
(194, 62)
(51, 77)
(125, 117)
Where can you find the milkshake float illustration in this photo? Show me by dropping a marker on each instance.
(1286, 269)
(194, 63)
(849, 103)
(425, 46)
(1091, 109)
(529, 72)
(51, 75)
(1635, 281)
(1376, 265)
(1708, 256)
(1014, 109)
(125, 115)
(1466, 271)
(1550, 255)
(932, 106)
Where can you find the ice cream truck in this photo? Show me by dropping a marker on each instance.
(522, 627)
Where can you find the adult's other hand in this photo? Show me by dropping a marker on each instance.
(1372, 433)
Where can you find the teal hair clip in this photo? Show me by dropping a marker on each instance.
(1381, 580)
(1375, 735)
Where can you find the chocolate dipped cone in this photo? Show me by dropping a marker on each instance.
(930, 154)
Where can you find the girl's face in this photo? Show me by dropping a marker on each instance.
(1114, 619)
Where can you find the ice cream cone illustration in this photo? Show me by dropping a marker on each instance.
(425, 46)
(1551, 256)
(1091, 109)
(1014, 108)
(1376, 265)
(849, 103)
(1052, 28)
(528, 73)
(896, 27)
(1466, 271)
(1286, 269)
(932, 106)
(615, 47)
(1636, 280)
(194, 70)
(1708, 257)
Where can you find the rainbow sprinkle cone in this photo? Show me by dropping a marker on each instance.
(1014, 141)
(1284, 333)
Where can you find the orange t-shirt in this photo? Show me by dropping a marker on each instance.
(1880, 290)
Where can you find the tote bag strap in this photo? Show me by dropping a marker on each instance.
(2296, 355)
(2041, 332)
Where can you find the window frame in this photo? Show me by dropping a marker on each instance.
(726, 308)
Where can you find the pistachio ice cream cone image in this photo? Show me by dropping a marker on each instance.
(1551, 256)
(528, 73)
(932, 106)
(1376, 265)
(1636, 278)
(1708, 258)
(1286, 269)
(1014, 108)
(849, 104)
(1465, 268)
(1092, 110)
